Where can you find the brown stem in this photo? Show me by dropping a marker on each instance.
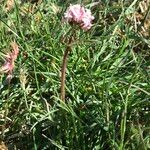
(63, 73)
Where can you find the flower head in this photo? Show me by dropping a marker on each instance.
(79, 15)
(10, 58)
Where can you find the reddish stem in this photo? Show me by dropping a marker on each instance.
(63, 73)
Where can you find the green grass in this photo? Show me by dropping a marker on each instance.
(107, 79)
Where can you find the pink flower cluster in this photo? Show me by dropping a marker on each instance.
(79, 15)
(10, 59)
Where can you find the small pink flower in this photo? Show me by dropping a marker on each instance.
(8, 67)
(10, 59)
(79, 15)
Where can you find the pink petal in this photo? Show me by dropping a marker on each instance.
(7, 67)
(79, 15)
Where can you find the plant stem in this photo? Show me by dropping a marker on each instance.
(63, 72)
(6, 108)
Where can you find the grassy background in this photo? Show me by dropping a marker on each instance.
(107, 83)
